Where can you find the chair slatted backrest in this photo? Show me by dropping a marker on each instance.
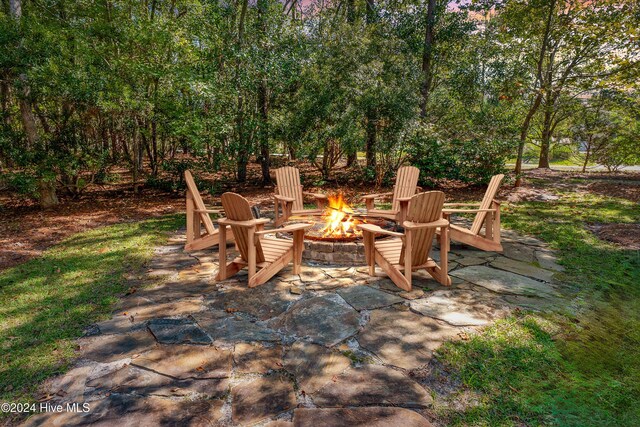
(423, 208)
(489, 195)
(197, 200)
(288, 185)
(237, 208)
(406, 183)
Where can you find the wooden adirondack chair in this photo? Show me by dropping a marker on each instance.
(289, 196)
(407, 252)
(263, 257)
(198, 215)
(487, 214)
(405, 188)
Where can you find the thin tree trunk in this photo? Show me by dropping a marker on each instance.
(371, 140)
(427, 55)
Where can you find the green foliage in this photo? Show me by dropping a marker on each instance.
(470, 161)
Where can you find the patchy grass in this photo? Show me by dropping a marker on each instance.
(568, 370)
(48, 301)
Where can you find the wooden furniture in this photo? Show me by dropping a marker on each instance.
(406, 186)
(263, 257)
(197, 216)
(487, 214)
(407, 252)
(289, 196)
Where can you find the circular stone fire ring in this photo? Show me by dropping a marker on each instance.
(342, 250)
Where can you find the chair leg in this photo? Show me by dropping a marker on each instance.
(369, 252)
(222, 252)
(298, 247)
(444, 256)
(408, 270)
(251, 246)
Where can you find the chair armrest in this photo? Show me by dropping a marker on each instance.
(462, 204)
(410, 225)
(288, 229)
(496, 202)
(449, 211)
(315, 195)
(375, 196)
(293, 227)
(247, 224)
(283, 198)
(403, 199)
(211, 211)
(375, 229)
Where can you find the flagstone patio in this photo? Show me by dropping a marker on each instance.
(330, 346)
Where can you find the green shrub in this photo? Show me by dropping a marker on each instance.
(472, 161)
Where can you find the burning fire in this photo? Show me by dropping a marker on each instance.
(338, 219)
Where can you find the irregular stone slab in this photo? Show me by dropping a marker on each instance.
(253, 358)
(503, 282)
(131, 379)
(458, 308)
(264, 302)
(413, 294)
(325, 320)
(227, 331)
(403, 338)
(372, 385)
(534, 303)
(171, 292)
(183, 361)
(519, 252)
(70, 386)
(472, 260)
(136, 411)
(109, 348)
(366, 297)
(311, 274)
(548, 260)
(178, 331)
(523, 269)
(354, 417)
(314, 365)
(330, 283)
(469, 253)
(262, 398)
(142, 309)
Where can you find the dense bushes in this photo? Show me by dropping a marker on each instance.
(472, 161)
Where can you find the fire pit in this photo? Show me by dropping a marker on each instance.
(334, 237)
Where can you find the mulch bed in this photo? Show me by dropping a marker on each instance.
(627, 236)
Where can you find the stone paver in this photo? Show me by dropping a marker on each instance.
(313, 365)
(226, 331)
(255, 358)
(523, 269)
(366, 297)
(372, 385)
(330, 346)
(358, 417)
(262, 398)
(178, 331)
(325, 320)
(185, 361)
(404, 339)
(108, 348)
(503, 282)
(458, 307)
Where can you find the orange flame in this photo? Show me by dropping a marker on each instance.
(338, 219)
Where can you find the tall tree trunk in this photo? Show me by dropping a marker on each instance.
(543, 161)
(427, 55)
(524, 129)
(263, 99)
(352, 158)
(587, 154)
(371, 140)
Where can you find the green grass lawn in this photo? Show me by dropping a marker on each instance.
(48, 301)
(577, 369)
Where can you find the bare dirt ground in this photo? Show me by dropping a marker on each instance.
(26, 230)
